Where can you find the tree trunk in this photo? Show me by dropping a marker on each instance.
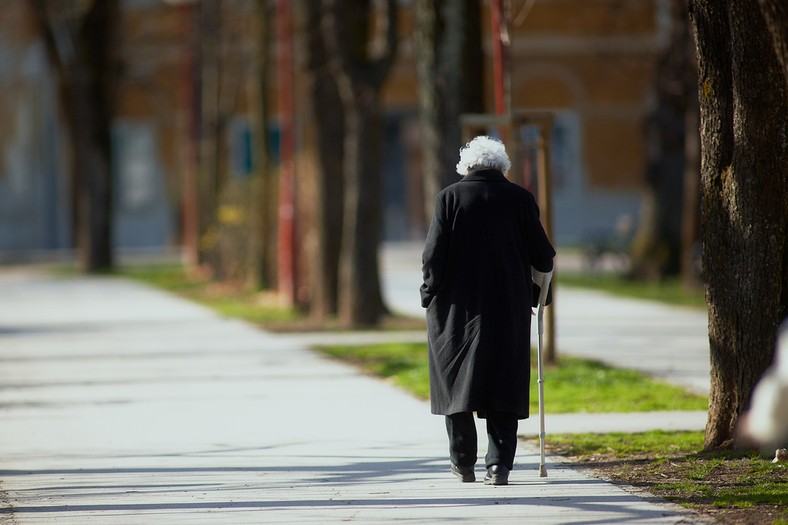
(426, 41)
(82, 56)
(329, 120)
(208, 128)
(744, 166)
(656, 248)
(91, 135)
(450, 71)
(265, 189)
(360, 298)
(359, 77)
(691, 267)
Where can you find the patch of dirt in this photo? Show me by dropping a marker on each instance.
(720, 487)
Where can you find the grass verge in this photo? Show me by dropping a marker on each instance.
(669, 291)
(242, 302)
(574, 385)
(729, 486)
(229, 300)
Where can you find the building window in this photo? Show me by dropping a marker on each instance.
(565, 169)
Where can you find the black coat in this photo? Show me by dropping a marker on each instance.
(484, 237)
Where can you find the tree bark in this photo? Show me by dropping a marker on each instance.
(210, 132)
(330, 123)
(266, 189)
(425, 39)
(656, 249)
(744, 165)
(691, 267)
(775, 12)
(450, 71)
(359, 78)
(360, 298)
(85, 67)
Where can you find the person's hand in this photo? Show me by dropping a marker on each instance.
(542, 280)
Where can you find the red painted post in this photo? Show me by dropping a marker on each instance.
(189, 211)
(286, 260)
(500, 39)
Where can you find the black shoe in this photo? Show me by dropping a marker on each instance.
(465, 474)
(497, 475)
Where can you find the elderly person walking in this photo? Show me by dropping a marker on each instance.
(484, 250)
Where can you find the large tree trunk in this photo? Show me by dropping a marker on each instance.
(359, 77)
(744, 119)
(450, 70)
(81, 52)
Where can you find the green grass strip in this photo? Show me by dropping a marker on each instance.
(669, 291)
(235, 302)
(575, 385)
(656, 443)
(721, 478)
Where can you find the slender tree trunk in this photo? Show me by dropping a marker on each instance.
(691, 269)
(656, 249)
(450, 69)
(359, 77)
(744, 117)
(209, 130)
(329, 120)
(360, 301)
(81, 52)
(265, 189)
(92, 162)
(425, 40)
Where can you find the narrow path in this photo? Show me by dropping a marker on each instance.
(122, 404)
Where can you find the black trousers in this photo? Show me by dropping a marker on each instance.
(501, 438)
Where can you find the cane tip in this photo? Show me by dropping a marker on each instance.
(542, 471)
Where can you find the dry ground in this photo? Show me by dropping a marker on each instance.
(726, 487)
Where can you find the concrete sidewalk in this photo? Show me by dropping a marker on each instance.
(122, 404)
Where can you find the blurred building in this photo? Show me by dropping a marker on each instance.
(591, 62)
(34, 195)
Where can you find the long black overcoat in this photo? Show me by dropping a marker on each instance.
(484, 237)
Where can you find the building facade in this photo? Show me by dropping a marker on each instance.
(591, 63)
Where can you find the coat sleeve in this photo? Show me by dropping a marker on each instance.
(435, 255)
(541, 252)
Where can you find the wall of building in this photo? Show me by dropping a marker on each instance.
(590, 62)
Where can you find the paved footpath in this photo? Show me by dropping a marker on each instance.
(122, 404)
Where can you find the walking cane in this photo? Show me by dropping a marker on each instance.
(540, 380)
(543, 280)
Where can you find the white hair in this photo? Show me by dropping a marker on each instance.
(483, 152)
